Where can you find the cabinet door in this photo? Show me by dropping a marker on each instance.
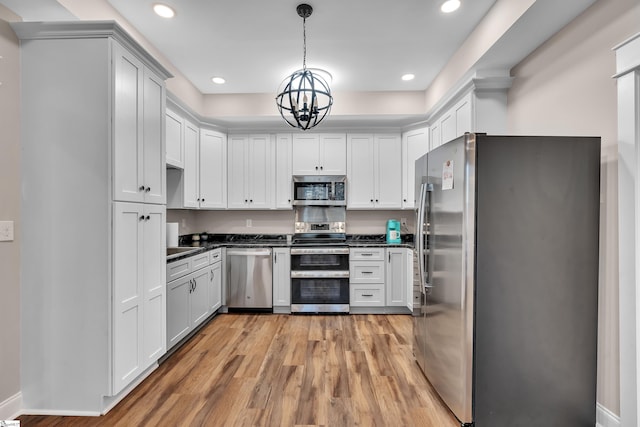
(191, 172)
(281, 277)
(463, 116)
(360, 173)
(388, 172)
(213, 170)
(154, 170)
(284, 164)
(127, 130)
(128, 293)
(306, 154)
(237, 197)
(260, 173)
(415, 144)
(396, 277)
(333, 154)
(154, 259)
(174, 135)
(435, 140)
(215, 287)
(199, 296)
(448, 127)
(178, 316)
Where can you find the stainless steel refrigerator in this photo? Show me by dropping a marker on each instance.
(507, 254)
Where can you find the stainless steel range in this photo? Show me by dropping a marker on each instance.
(320, 261)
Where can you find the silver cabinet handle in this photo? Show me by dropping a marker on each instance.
(367, 272)
(367, 295)
(367, 254)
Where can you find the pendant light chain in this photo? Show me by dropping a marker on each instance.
(304, 43)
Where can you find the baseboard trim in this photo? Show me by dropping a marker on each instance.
(606, 418)
(11, 408)
(62, 413)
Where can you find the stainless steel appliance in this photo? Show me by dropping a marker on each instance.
(319, 190)
(249, 278)
(507, 252)
(320, 224)
(320, 279)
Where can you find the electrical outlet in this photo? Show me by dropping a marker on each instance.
(249, 225)
(403, 222)
(6, 231)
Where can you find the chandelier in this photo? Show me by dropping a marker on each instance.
(304, 98)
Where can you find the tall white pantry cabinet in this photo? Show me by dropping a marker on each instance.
(93, 215)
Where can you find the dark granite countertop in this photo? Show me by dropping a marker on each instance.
(214, 241)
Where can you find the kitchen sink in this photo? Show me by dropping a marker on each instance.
(179, 250)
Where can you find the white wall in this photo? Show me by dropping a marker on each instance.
(565, 88)
(9, 210)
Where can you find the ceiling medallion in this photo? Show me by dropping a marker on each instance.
(304, 98)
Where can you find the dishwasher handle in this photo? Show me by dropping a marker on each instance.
(249, 252)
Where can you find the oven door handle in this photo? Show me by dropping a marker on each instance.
(319, 251)
(320, 274)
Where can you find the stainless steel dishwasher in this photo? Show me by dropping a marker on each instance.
(249, 278)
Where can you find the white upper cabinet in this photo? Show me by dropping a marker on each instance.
(138, 129)
(453, 122)
(202, 183)
(415, 143)
(251, 177)
(374, 173)
(213, 169)
(319, 154)
(284, 163)
(174, 125)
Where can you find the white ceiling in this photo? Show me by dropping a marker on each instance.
(367, 45)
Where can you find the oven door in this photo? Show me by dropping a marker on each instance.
(320, 259)
(319, 294)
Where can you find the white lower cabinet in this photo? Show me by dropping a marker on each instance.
(379, 278)
(281, 280)
(366, 277)
(396, 277)
(194, 292)
(139, 293)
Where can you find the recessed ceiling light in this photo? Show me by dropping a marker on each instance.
(218, 80)
(450, 6)
(163, 10)
(408, 77)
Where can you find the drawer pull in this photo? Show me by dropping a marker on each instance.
(367, 254)
(367, 295)
(367, 272)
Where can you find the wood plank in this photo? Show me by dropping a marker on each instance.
(269, 370)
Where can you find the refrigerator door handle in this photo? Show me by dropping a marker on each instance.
(421, 227)
(429, 238)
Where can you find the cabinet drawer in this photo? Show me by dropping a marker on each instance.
(367, 295)
(366, 272)
(215, 256)
(179, 268)
(199, 261)
(376, 254)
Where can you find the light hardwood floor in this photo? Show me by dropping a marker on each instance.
(283, 370)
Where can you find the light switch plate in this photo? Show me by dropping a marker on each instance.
(6, 231)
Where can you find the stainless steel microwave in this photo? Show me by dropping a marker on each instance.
(320, 190)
